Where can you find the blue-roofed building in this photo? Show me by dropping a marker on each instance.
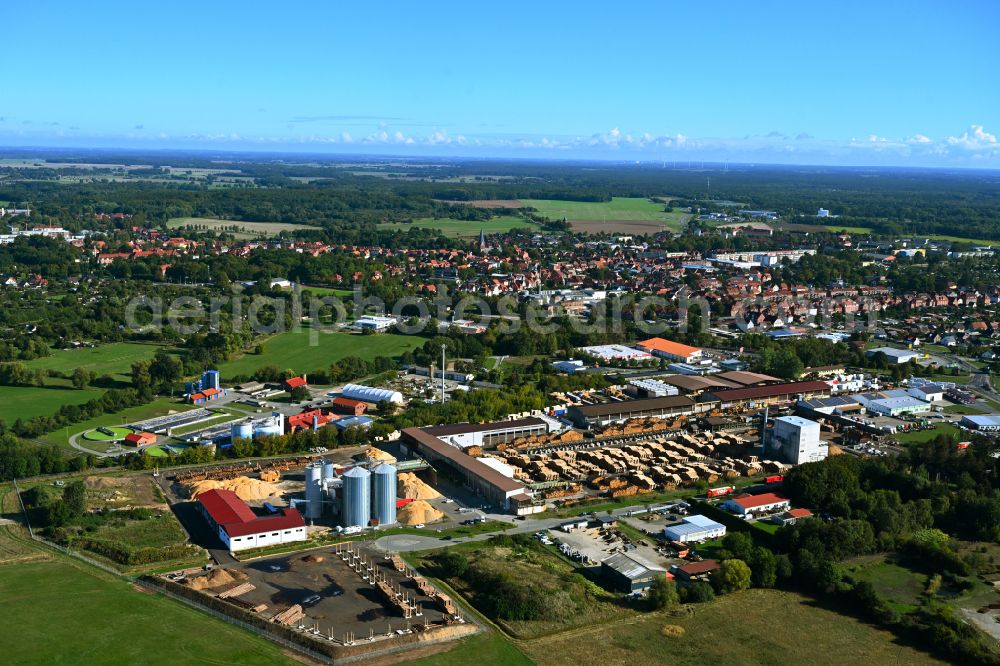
(984, 422)
(693, 529)
(783, 333)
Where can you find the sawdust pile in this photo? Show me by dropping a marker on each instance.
(411, 487)
(378, 454)
(418, 512)
(246, 488)
(216, 578)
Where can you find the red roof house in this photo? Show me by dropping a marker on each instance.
(295, 382)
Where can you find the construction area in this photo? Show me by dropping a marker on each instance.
(345, 597)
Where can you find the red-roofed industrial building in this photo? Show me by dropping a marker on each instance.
(671, 350)
(239, 528)
(140, 438)
(295, 382)
(312, 419)
(756, 504)
(349, 406)
(207, 395)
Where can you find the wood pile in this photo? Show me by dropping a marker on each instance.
(289, 616)
(237, 591)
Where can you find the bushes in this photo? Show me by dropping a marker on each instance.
(697, 592)
(123, 553)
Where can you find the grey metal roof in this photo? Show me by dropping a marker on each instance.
(631, 566)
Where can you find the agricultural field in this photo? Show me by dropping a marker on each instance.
(292, 349)
(239, 228)
(114, 359)
(465, 228)
(620, 215)
(839, 228)
(740, 629)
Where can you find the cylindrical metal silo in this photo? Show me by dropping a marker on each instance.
(314, 490)
(356, 498)
(384, 482)
(329, 470)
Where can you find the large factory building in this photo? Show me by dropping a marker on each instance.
(499, 489)
(240, 528)
(585, 416)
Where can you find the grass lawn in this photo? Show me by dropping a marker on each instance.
(487, 649)
(93, 618)
(619, 209)
(744, 629)
(847, 230)
(25, 402)
(113, 359)
(242, 228)
(963, 409)
(465, 228)
(292, 349)
(158, 407)
(320, 292)
(927, 435)
(963, 239)
(897, 585)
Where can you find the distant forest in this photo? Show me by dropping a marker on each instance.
(336, 193)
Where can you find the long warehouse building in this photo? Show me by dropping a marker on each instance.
(769, 395)
(585, 416)
(488, 482)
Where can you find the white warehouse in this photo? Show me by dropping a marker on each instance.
(370, 394)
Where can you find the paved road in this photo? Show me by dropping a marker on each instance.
(412, 542)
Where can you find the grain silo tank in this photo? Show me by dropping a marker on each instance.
(314, 491)
(243, 429)
(356, 498)
(329, 470)
(384, 489)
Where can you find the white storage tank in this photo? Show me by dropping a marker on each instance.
(384, 489)
(314, 491)
(356, 498)
(243, 429)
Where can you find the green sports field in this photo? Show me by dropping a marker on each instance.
(294, 350)
(612, 216)
(465, 228)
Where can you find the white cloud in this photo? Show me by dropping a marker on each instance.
(974, 138)
(919, 138)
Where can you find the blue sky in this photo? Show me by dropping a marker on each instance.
(908, 83)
